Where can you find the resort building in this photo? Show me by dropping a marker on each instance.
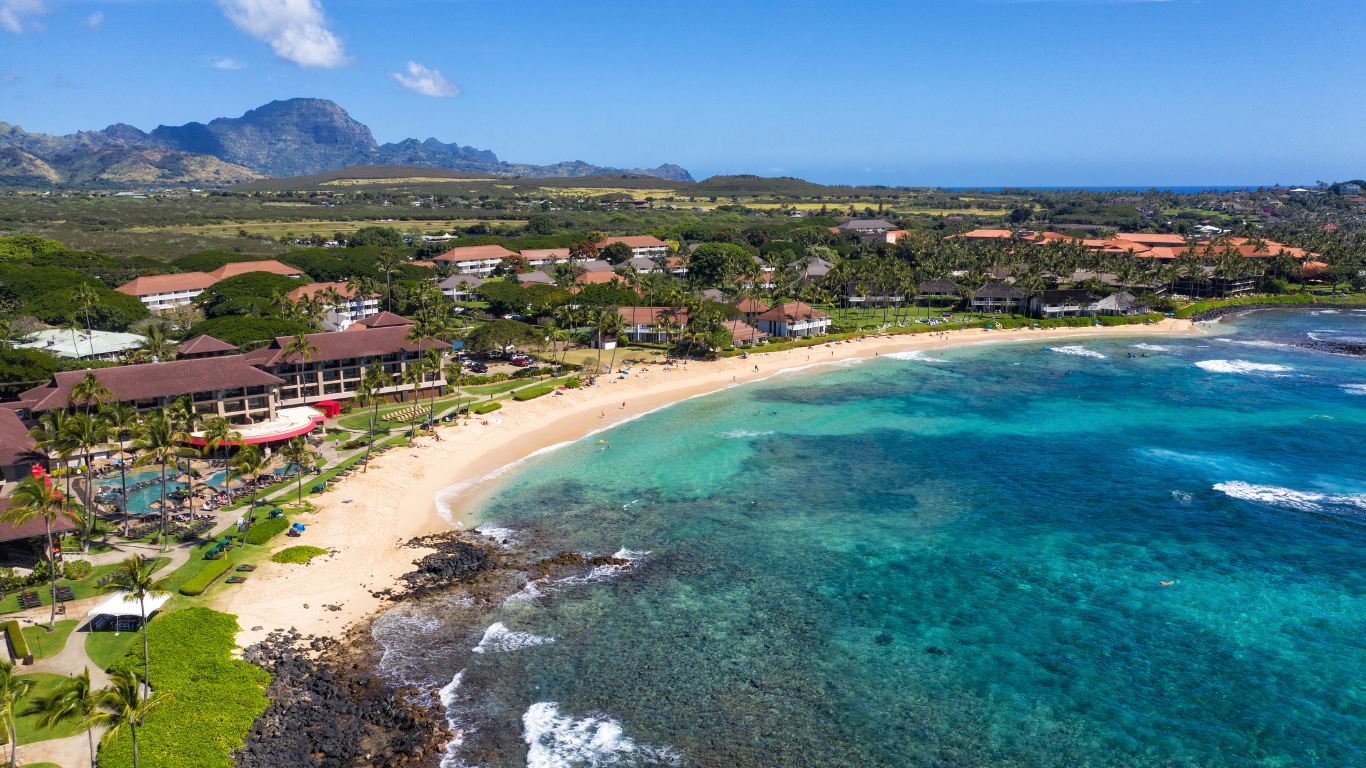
(477, 260)
(596, 265)
(545, 257)
(1064, 303)
(812, 270)
(793, 318)
(750, 308)
(641, 323)
(162, 292)
(998, 298)
(642, 246)
(17, 455)
(939, 291)
(461, 287)
(1122, 303)
(743, 333)
(535, 278)
(86, 345)
(865, 225)
(348, 309)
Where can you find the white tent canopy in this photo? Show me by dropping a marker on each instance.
(120, 605)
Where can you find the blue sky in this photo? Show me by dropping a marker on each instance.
(927, 92)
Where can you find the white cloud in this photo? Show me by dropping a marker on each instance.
(96, 20)
(9, 78)
(228, 63)
(13, 14)
(427, 82)
(295, 29)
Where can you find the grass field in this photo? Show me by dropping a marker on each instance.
(43, 644)
(104, 648)
(26, 711)
(81, 589)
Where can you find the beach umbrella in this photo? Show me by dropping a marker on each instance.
(298, 527)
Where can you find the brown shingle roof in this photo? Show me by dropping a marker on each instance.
(634, 241)
(651, 315)
(382, 320)
(243, 267)
(998, 291)
(34, 526)
(149, 284)
(343, 344)
(742, 331)
(792, 310)
(202, 344)
(131, 382)
(748, 305)
(16, 447)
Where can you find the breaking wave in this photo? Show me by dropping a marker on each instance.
(1355, 389)
(1152, 347)
(1286, 498)
(1078, 350)
(739, 433)
(1240, 366)
(559, 741)
(499, 639)
(914, 354)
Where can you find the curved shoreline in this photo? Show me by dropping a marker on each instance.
(397, 500)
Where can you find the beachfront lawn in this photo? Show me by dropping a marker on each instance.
(104, 648)
(27, 711)
(81, 589)
(43, 644)
(212, 698)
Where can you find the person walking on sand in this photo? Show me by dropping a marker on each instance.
(602, 415)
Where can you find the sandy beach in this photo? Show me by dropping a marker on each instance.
(396, 500)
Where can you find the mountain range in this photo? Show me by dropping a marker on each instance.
(295, 137)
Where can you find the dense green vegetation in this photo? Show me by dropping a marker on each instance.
(266, 530)
(299, 554)
(247, 332)
(207, 576)
(213, 699)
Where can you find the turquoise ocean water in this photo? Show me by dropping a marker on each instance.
(1021, 554)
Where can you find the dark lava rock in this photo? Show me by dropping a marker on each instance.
(454, 560)
(936, 650)
(883, 639)
(566, 558)
(326, 711)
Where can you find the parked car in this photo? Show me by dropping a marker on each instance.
(474, 367)
(521, 360)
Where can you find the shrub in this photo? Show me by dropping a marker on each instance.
(573, 383)
(201, 582)
(300, 554)
(16, 640)
(266, 530)
(78, 569)
(474, 381)
(213, 698)
(486, 407)
(528, 393)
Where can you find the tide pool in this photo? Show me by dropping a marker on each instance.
(1016, 554)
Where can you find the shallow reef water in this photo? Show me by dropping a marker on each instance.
(1016, 554)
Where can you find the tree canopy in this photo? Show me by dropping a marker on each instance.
(381, 236)
(211, 259)
(714, 263)
(244, 331)
(233, 295)
(499, 334)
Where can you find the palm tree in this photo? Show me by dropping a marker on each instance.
(249, 462)
(73, 700)
(218, 432)
(301, 346)
(34, 497)
(615, 324)
(375, 379)
(155, 343)
(120, 707)
(187, 420)
(12, 688)
(7, 334)
(414, 374)
(85, 295)
(300, 453)
(88, 434)
(431, 363)
(388, 264)
(88, 390)
(71, 326)
(52, 440)
(123, 420)
(160, 443)
(453, 371)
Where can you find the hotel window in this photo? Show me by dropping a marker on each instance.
(259, 389)
(351, 386)
(332, 389)
(331, 375)
(310, 391)
(200, 397)
(234, 392)
(233, 406)
(260, 416)
(308, 378)
(348, 362)
(146, 402)
(289, 394)
(332, 364)
(206, 408)
(237, 420)
(257, 402)
(351, 373)
(393, 367)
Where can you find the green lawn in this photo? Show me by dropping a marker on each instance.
(81, 589)
(26, 711)
(359, 421)
(43, 644)
(104, 647)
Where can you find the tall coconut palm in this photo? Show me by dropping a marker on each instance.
(432, 361)
(413, 374)
(51, 439)
(123, 421)
(89, 390)
(249, 462)
(12, 689)
(88, 434)
(75, 700)
(299, 453)
(454, 371)
(160, 442)
(35, 497)
(7, 334)
(187, 420)
(388, 264)
(85, 295)
(300, 345)
(218, 432)
(375, 379)
(119, 707)
(156, 344)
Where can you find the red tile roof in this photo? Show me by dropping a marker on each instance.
(132, 382)
(16, 447)
(474, 253)
(597, 277)
(651, 315)
(243, 267)
(545, 253)
(382, 320)
(749, 306)
(150, 284)
(313, 289)
(792, 310)
(203, 344)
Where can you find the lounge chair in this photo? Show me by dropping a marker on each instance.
(30, 600)
(64, 594)
(246, 568)
(236, 579)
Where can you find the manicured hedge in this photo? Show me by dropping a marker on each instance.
(212, 700)
(301, 554)
(266, 530)
(528, 393)
(204, 578)
(486, 407)
(16, 639)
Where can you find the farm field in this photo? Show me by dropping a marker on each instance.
(279, 229)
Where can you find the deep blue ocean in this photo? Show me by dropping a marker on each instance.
(1016, 554)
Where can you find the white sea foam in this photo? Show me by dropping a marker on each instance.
(497, 533)
(1259, 343)
(1326, 312)
(1152, 347)
(1240, 366)
(546, 587)
(1354, 389)
(1181, 496)
(499, 639)
(559, 741)
(740, 433)
(847, 362)
(1288, 498)
(447, 698)
(914, 354)
(1078, 350)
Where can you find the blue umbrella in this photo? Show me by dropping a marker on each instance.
(298, 527)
